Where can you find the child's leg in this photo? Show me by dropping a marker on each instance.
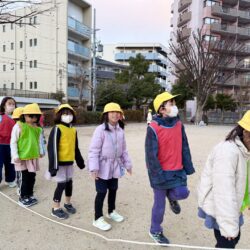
(112, 186)
(68, 191)
(158, 210)
(178, 193)
(24, 185)
(101, 189)
(1, 161)
(223, 242)
(58, 194)
(10, 174)
(32, 180)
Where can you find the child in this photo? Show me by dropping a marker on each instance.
(26, 149)
(16, 117)
(108, 158)
(149, 116)
(8, 104)
(224, 188)
(62, 151)
(168, 161)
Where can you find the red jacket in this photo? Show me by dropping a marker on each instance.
(6, 125)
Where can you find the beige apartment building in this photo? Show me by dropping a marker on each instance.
(46, 53)
(219, 19)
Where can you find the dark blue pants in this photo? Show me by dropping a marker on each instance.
(223, 242)
(5, 159)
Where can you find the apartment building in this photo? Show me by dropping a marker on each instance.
(46, 53)
(155, 53)
(218, 19)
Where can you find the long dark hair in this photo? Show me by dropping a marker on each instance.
(105, 120)
(237, 131)
(5, 99)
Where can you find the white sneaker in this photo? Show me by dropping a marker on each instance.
(101, 224)
(11, 184)
(115, 216)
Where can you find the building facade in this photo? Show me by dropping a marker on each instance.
(46, 53)
(218, 19)
(155, 53)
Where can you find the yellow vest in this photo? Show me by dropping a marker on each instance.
(67, 143)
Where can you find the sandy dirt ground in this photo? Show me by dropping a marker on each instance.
(20, 229)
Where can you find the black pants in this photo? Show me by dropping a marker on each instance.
(67, 186)
(223, 242)
(101, 188)
(27, 183)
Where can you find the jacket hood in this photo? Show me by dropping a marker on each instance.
(166, 121)
(242, 148)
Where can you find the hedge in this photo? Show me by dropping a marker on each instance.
(90, 117)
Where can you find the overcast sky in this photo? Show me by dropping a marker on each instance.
(132, 21)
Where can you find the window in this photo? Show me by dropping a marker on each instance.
(4, 86)
(208, 38)
(11, 26)
(12, 66)
(21, 44)
(35, 42)
(30, 21)
(35, 85)
(21, 65)
(12, 46)
(208, 20)
(20, 23)
(209, 3)
(31, 64)
(12, 85)
(3, 28)
(35, 63)
(4, 48)
(21, 85)
(31, 85)
(4, 67)
(35, 20)
(30, 42)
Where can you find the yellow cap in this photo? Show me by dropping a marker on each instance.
(112, 107)
(17, 113)
(163, 97)
(32, 109)
(64, 106)
(245, 121)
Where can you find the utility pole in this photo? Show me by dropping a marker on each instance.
(94, 64)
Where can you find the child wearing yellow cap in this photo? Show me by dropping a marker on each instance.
(224, 188)
(26, 149)
(63, 150)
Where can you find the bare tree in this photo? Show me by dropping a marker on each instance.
(201, 62)
(9, 15)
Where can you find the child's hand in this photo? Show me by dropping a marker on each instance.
(129, 171)
(94, 175)
(41, 156)
(17, 160)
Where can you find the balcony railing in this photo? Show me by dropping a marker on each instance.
(222, 28)
(183, 4)
(244, 16)
(79, 27)
(74, 71)
(74, 93)
(184, 18)
(223, 12)
(244, 3)
(78, 50)
(184, 33)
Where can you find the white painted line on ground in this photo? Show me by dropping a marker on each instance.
(108, 239)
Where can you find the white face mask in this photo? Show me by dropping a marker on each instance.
(9, 109)
(67, 118)
(173, 111)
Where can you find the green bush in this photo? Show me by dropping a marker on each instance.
(89, 117)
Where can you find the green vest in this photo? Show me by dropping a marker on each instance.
(28, 142)
(246, 200)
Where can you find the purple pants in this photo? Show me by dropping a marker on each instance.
(158, 210)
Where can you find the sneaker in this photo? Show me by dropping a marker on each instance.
(115, 216)
(70, 209)
(59, 213)
(159, 238)
(25, 202)
(11, 184)
(33, 200)
(101, 224)
(175, 207)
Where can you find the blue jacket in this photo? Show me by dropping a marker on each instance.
(159, 178)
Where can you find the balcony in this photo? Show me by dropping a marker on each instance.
(78, 28)
(78, 50)
(183, 34)
(244, 3)
(244, 16)
(239, 66)
(157, 69)
(243, 33)
(75, 71)
(184, 18)
(223, 29)
(183, 4)
(224, 13)
(230, 2)
(73, 93)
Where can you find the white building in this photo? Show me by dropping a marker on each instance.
(155, 53)
(45, 55)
